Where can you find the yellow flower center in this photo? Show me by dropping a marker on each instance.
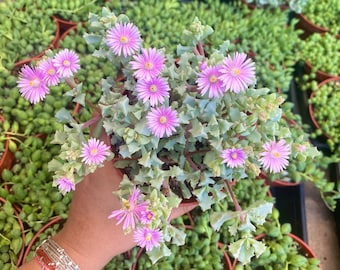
(162, 120)
(66, 63)
(213, 79)
(275, 154)
(126, 204)
(148, 237)
(51, 71)
(123, 39)
(34, 83)
(153, 88)
(149, 216)
(234, 155)
(148, 65)
(235, 71)
(94, 151)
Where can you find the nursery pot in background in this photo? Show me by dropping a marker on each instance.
(29, 250)
(320, 75)
(7, 157)
(312, 108)
(20, 63)
(303, 249)
(309, 27)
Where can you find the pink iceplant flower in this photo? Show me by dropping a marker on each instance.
(31, 84)
(238, 72)
(275, 157)
(94, 152)
(148, 238)
(123, 39)
(131, 212)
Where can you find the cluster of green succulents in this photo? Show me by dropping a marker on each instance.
(325, 102)
(322, 52)
(313, 165)
(266, 34)
(324, 13)
(282, 252)
(25, 32)
(295, 5)
(76, 10)
(28, 186)
(11, 239)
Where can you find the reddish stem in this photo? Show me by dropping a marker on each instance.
(233, 197)
(90, 122)
(200, 48)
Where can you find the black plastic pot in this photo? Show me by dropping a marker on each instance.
(335, 174)
(290, 201)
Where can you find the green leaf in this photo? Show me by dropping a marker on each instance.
(259, 211)
(8, 208)
(235, 114)
(246, 248)
(92, 39)
(197, 129)
(64, 116)
(145, 160)
(218, 218)
(178, 236)
(203, 198)
(157, 253)
(54, 165)
(16, 245)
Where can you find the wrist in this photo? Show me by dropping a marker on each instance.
(51, 256)
(90, 249)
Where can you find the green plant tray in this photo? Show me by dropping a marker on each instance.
(290, 201)
(300, 98)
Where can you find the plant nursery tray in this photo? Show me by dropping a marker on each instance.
(290, 201)
(335, 174)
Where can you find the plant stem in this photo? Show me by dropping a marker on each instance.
(233, 197)
(200, 48)
(4, 237)
(187, 157)
(93, 120)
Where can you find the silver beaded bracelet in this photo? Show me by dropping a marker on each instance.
(51, 256)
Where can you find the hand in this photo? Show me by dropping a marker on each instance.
(88, 236)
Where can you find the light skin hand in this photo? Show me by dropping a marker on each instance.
(88, 236)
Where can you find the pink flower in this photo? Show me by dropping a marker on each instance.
(234, 157)
(208, 81)
(66, 63)
(148, 238)
(149, 64)
(146, 217)
(275, 157)
(131, 211)
(51, 77)
(31, 84)
(65, 185)
(237, 72)
(124, 38)
(154, 90)
(162, 121)
(94, 152)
